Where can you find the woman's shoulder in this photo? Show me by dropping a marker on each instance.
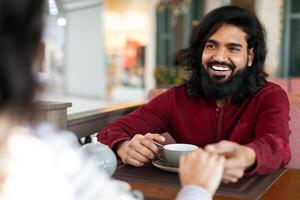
(45, 162)
(32, 170)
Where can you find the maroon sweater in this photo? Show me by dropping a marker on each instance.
(260, 122)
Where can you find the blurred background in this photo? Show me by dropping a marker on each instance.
(102, 52)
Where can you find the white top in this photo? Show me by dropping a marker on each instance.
(193, 192)
(47, 164)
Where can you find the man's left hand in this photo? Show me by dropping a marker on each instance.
(238, 159)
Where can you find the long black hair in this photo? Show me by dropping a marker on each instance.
(21, 25)
(190, 57)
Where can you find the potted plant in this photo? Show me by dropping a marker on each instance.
(167, 77)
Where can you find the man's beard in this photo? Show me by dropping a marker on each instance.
(218, 91)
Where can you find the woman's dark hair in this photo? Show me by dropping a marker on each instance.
(190, 57)
(21, 25)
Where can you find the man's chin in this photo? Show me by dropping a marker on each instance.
(219, 79)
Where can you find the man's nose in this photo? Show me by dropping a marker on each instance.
(220, 55)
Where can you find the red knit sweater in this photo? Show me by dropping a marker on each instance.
(260, 122)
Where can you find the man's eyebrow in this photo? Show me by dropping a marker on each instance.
(234, 45)
(211, 41)
(231, 44)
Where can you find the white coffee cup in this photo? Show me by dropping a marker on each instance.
(173, 152)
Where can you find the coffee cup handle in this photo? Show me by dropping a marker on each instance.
(161, 156)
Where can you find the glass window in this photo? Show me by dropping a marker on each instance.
(295, 48)
(295, 6)
(95, 53)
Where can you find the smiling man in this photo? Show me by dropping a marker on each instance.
(225, 53)
(226, 105)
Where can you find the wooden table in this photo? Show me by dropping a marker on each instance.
(287, 187)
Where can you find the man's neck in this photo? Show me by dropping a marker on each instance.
(221, 103)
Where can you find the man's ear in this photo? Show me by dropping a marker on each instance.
(250, 57)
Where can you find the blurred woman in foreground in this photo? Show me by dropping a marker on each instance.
(37, 162)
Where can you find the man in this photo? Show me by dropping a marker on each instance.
(40, 162)
(226, 105)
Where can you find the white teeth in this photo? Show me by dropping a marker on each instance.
(220, 68)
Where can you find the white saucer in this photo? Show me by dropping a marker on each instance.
(163, 165)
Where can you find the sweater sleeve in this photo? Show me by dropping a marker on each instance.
(149, 118)
(193, 192)
(271, 144)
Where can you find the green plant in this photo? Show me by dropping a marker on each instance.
(168, 76)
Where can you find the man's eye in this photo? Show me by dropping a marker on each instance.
(210, 46)
(233, 49)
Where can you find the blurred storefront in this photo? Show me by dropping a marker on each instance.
(102, 53)
(127, 34)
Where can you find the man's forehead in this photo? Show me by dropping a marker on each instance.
(229, 33)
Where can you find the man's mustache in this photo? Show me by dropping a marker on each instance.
(212, 63)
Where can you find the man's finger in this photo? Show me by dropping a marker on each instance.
(142, 147)
(154, 150)
(234, 173)
(132, 161)
(233, 163)
(229, 180)
(156, 137)
(138, 156)
(223, 147)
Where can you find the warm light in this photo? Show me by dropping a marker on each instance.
(61, 21)
(53, 10)
(132, 24)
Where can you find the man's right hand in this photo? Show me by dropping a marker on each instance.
(139, 150)
(238, 159)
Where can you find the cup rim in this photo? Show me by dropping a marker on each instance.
(191, 147)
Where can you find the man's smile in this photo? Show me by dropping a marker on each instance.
(220, 68)
(220, 71)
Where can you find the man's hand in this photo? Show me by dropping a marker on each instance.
(202, 168)
(238, 159)
(139, 150)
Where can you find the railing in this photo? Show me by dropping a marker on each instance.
(86, 123)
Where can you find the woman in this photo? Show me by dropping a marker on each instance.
(38, 163)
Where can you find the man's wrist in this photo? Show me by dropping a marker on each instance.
(119, 147)
(250, 157)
